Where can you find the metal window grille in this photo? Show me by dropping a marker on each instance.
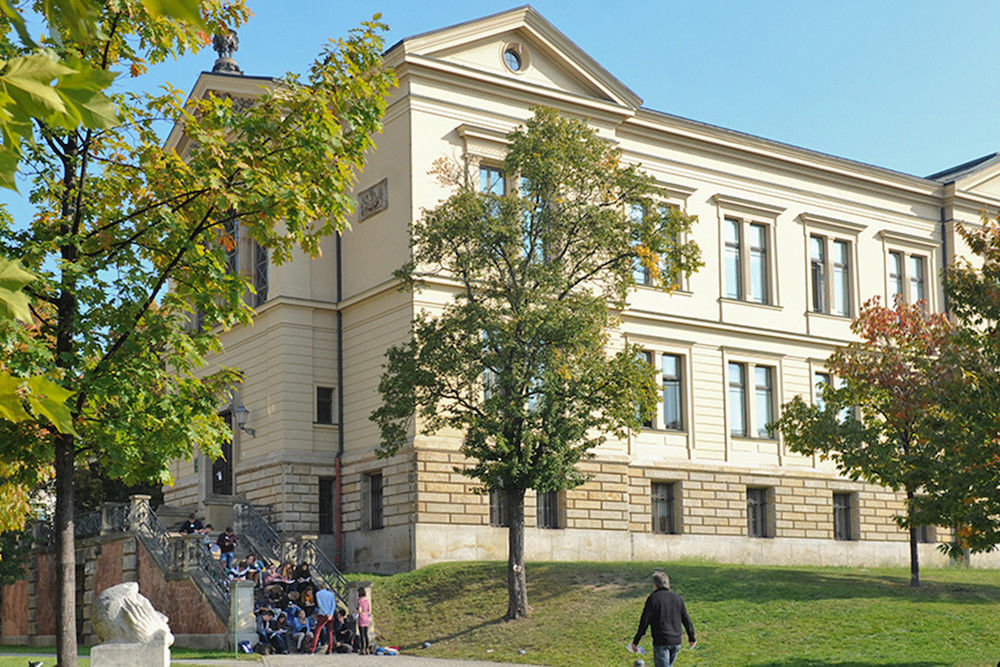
(842, 511)
(499, 508)
(663, 508)
(326, 505)
(375, 501)
(548, 509)
(757, 512)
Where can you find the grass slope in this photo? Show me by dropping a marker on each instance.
(585, 613)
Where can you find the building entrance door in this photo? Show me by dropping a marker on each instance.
(222, 467)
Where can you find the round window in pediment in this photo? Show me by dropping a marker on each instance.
(515, 58)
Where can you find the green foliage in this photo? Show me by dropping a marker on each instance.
(886, 423)
(968, 486)
(538, 271)
(15, 545)
(120, 218)
(50, 82)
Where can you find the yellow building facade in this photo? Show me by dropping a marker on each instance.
(793, 242)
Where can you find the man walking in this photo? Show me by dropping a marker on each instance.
(664, 614)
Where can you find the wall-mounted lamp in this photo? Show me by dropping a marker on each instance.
(242, 415)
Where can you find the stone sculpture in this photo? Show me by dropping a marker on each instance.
(131, 631)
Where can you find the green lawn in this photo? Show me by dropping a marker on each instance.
(585, 613)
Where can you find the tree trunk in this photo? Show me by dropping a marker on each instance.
(65, 445)
(914, 554)
(517, 587)
(65, 552)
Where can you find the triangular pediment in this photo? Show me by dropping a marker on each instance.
(985, 181)
(547, 57)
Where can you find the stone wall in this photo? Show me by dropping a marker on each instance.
(28, 606)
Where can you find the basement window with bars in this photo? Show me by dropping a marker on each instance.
(843, 516)
(499, 508)
(326, 500)
(758, 512)
(664, 507)
(548, 509)
(375, 518)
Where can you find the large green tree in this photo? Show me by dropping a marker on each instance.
(968, 488)
(520, 360)
(885, 421)
(120, 217)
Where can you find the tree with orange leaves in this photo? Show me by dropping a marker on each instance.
(887, 422)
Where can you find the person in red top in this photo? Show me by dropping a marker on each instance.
(664, 614)
(364, 621)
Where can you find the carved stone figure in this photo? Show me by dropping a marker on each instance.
(226, 44)
(131, 631)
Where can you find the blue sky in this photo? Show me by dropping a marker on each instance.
(911, 85)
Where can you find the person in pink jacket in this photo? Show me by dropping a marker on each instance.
(364, 621)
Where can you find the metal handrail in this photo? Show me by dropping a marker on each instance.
(324, 569)
(269, 545)
(251, 524)
(143, 522)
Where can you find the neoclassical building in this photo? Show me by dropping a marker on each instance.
(793, 241)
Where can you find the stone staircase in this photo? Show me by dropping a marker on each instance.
(251, 524)
(189, 555)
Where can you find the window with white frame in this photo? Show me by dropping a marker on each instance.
(231, 243)
(672, 377)
(492, 180)
(324, 405)
(907, 277)
(642, 274)
(747, 260)
(760, 402)
(647, 356)
(830, 275)
(669, 367)
(821, 379)
(260, 274)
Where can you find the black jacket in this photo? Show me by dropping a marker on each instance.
(664, 614)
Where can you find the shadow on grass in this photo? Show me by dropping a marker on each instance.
(709, 582)
(454, 635)
(834, 663)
